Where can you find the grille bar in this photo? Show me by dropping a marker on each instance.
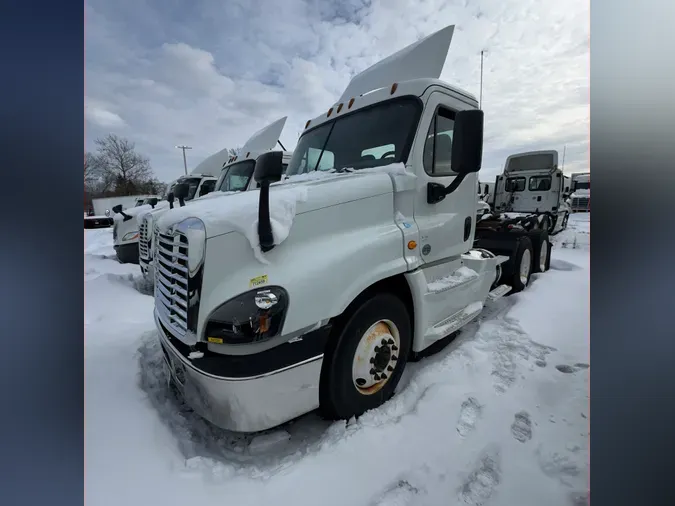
(171, 287)
(144, 239)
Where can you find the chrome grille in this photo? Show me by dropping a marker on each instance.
(144, 238)
(581, 203)
(171, 279)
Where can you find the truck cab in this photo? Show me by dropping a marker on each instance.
(580, 192)
(532, 183)
(315, 291)
(235, 175)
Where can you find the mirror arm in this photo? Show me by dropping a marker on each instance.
(437, 192)
(264, 224)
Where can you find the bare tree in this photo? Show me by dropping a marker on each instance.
(234, 151)
(120, 166)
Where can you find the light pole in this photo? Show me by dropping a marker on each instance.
(184, 159)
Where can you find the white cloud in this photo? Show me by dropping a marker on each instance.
(99, 114)
(212, 73)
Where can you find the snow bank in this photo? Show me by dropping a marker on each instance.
(460, 276)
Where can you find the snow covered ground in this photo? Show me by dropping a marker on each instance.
(499, 417)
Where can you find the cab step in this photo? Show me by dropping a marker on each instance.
(499, 292)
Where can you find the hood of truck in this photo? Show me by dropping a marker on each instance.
(295, 195)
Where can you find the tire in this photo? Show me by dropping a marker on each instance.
(339, 396)
(524, 249)
(540, 264)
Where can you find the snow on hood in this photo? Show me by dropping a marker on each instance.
(136, 212)
(240, 212)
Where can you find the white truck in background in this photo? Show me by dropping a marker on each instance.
(532, 183)
(317, 290)
(236, 174)
(125, 228)
(580, 192)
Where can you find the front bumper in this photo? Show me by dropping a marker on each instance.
(248, 393)
(127, 253)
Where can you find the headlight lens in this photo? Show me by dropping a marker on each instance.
(130, 236)
(251, 317)
(195, 231)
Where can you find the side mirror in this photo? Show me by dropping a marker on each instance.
(169, 199)
(152, 201)
(180, 191)
(269, 167)
(117, 209)
(467, 141)
(467, 152)
(107, 213)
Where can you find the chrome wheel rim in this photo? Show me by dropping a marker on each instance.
(375, 357)
(525, 263)
(543, 253)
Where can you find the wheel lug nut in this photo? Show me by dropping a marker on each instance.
(372, 360)
(384, 376)
(394, 348)
(376, 349)
(390, 368)
(376, 377)
(384, 342)
(360, 382)
(390, 341)
(373, 371)
(394, 357)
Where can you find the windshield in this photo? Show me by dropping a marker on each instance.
(235, 177)
(585, 185)
(372, 137)
(193, 183)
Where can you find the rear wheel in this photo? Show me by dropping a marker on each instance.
(365, 358)
(542, 256)
(522, 265)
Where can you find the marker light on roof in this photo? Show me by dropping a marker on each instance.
(351, 103)
(308, 122)
(330, 111)
(393, 88)
(339, 108)
(247, 154)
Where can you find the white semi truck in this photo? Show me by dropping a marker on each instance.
(532, 183)
(236, 175)
(580, 192)
(317, 290)
(126, 222)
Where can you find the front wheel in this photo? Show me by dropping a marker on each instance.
(365, 358)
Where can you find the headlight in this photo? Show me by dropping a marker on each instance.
(130, 236)
(251, 317)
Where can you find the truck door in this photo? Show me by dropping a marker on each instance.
(446, 227)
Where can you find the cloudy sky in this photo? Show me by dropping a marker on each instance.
(208, 73)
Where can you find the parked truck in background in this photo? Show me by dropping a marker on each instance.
(316, 291)
(236, 175)
(532, 183)
(580, 192)
(126, 225)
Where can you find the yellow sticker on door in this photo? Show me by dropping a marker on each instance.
(258, 281)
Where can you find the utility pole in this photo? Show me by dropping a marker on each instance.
(184, 158)
(480, 101)
(563, 160)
